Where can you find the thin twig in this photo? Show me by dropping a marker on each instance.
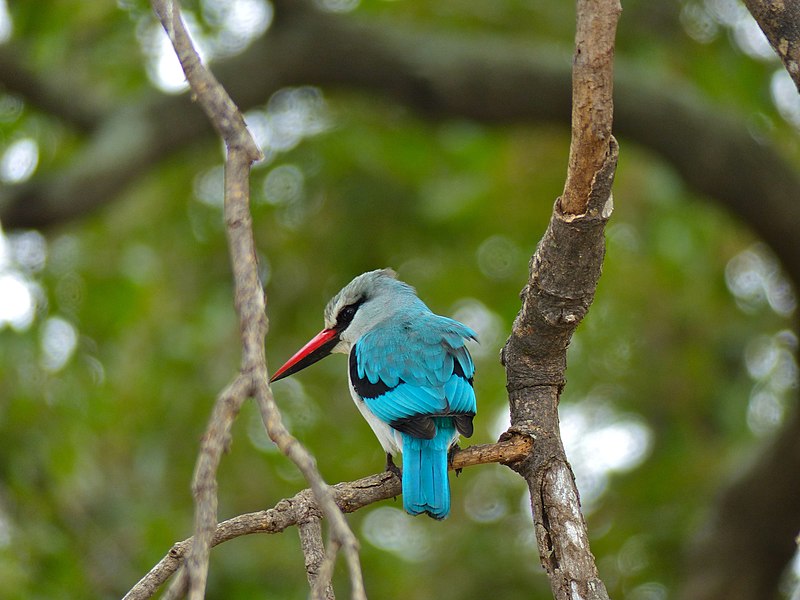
(321, 587)
(179, 586)
(250, 305)
(348, 496)
(242, 152)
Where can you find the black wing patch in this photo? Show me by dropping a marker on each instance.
(464, 424)
(363, 386)
(418, 426)
(459, 372)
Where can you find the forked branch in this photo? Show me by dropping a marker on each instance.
(303, 507)
(250, 305)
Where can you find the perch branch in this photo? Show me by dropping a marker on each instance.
(302, 507)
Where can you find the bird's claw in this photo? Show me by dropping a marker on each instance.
(453, 449)
(391, 467)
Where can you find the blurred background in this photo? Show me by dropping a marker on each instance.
(431, 137)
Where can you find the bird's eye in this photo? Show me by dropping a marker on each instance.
(346, 315)
(348, 312)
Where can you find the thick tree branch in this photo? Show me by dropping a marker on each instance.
(485, 79)
(780, 22)
(302, 507)
(749, 538)
(564, 273)
(56, 95)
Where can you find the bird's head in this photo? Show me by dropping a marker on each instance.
(361, 305)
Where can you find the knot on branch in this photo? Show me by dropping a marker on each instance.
(560, 311)
(303, 507)
(178, 550)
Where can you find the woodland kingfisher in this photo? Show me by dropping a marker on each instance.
(410, 375)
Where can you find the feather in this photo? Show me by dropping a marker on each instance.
(426, 488)
(412, 371)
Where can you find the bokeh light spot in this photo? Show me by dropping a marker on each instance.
(239, 22)
(28, 250)
(785, 96)
(487, 324)
(19, 161)
(393, 530)
(755, 279)
(6, 25)
(284, 185)
(17, 306)
(600, 441)
(499, 258)
(58, 341)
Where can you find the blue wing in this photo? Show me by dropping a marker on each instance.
(411, 370)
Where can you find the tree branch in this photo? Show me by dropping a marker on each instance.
(318, 570)
(715, 153)
(592, 101)
(242, 151)
(303, 507)
(780, 22)
(749, 537)
(249, 300)
(56, 94)
(564, 273)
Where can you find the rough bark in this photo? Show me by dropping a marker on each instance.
(313, 548)
(564, 272)
(780, 22)
(302, 507)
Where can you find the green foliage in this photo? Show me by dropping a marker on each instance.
(98, 454)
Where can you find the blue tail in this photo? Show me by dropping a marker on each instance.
(426, 488)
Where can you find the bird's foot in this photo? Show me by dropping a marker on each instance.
(391, 467)
(453, 449)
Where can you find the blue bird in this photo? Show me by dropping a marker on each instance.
(410, 376)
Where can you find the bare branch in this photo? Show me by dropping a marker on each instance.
(204, 487)
(242, 151)
(780, 22)
(179, 586)
(250, 305)
(592, 100)
(319, 577)
(302, 507)
(564, 273)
